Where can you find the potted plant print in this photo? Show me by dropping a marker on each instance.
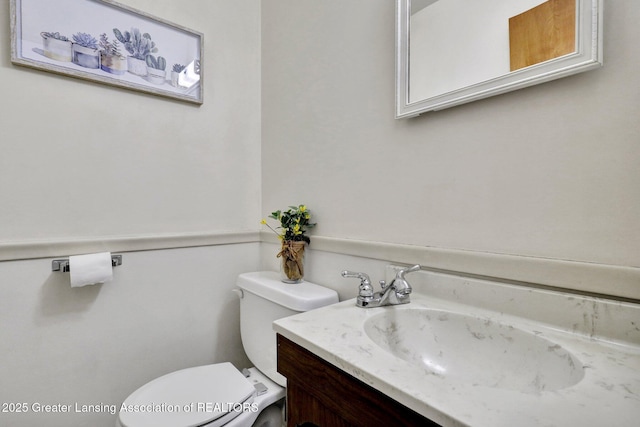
(56, 46)
(85, 51)
(111, 59)
(156, 69)
(294, 223)
(139, 46)
(175, 74)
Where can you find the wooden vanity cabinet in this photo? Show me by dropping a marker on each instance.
(320, 394)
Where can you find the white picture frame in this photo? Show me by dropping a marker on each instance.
(107, 42)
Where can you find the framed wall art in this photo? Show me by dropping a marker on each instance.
(110, 43)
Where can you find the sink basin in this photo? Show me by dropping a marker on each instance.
(476, 351)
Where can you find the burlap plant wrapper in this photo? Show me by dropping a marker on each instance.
(292, 254)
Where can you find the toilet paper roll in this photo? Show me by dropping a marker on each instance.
(90, 269)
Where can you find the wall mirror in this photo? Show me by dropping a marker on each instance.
(449, 52)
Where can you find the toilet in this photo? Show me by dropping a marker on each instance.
(219, 394)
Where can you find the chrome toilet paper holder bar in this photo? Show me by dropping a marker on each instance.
(62, 265)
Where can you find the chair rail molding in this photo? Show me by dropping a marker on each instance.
(606, 280)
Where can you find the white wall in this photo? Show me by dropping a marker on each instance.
(544, 173)
(87, 167)
(165, 310)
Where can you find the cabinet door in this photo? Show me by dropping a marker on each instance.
(325, 396)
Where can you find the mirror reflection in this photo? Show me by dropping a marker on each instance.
(456, 43)
(456, 51)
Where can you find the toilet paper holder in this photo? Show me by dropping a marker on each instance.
(62, 265)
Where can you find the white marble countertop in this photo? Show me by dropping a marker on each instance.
(603, 335)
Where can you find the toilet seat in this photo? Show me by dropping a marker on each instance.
(189, 398)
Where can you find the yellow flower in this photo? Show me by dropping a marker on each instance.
(264, 222)
(294, 223)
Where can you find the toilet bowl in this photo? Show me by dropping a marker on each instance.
(219, 394)
(211, 395)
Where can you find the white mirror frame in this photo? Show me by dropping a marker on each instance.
(588, 55)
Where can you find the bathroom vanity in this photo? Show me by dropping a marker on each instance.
(465, 352)
(323, 395)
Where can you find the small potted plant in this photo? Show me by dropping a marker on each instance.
(156, 69)
(139, 46)
(85, 50)
(294, 223)
(111, 59)
(175, 74)
(56, 46)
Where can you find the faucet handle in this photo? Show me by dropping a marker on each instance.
(366, 290)
(400, 274)
(362, 276)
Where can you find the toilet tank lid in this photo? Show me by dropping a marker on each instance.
(303, 296)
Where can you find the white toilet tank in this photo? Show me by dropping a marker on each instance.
(266, 298)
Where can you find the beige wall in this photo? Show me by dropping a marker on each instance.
(88, 160)
(86, 167)
(548, 172)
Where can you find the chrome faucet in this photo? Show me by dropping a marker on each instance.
(397, 292)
